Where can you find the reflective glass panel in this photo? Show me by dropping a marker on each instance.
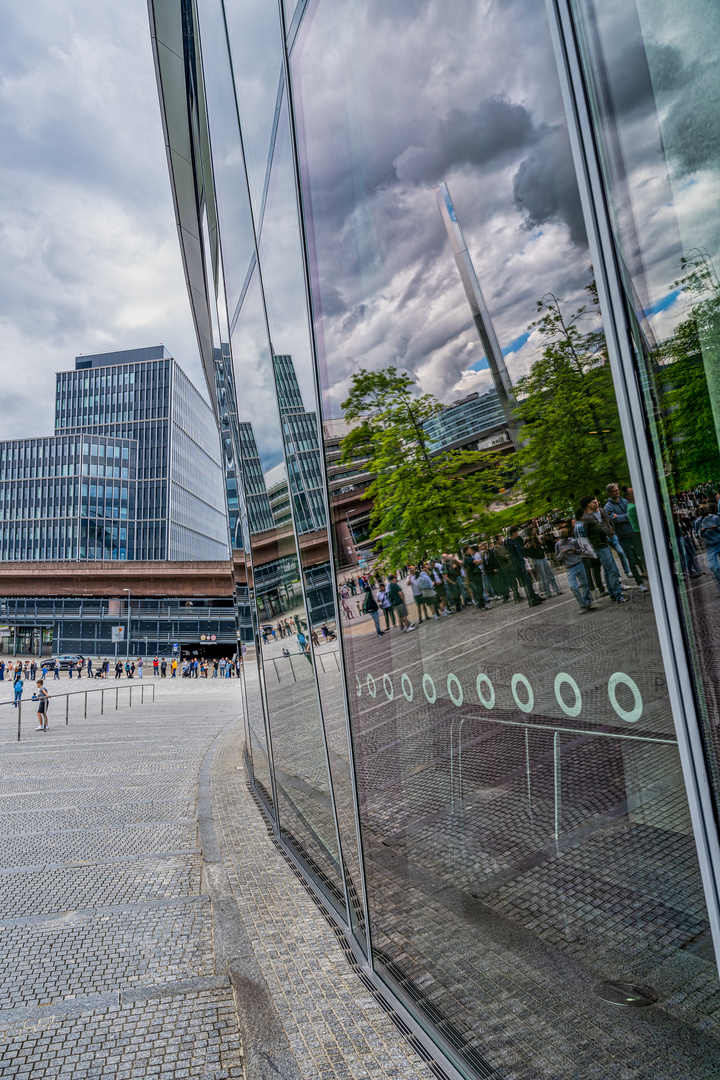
(282, 634)
(524, 822)
(659, 129)
(300, 487)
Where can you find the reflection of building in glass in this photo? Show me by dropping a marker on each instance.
(302, 449)
(133, 471)
(260, 517)
(473, 419)
(279, 495)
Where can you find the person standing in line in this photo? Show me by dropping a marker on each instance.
(397, 599)
(89, 668)
(616, 509)
(412, 581)
(33, 670)
(569, 553)
(163, 668)
(118, 669)
(535, 551)
(156, 666)
(2, 671)
(709, 532)
(516, 549)
(221, 665)
(79, 669)
(215, 666)
(42, 708)
(18, 686)
(599, 531)
(140, 667)
(44, 671)
(56, 669)
(370, 608)
(173, 668)
(71, 665)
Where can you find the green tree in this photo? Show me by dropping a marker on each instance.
(421, 501)
(689, 374)
(567, 402)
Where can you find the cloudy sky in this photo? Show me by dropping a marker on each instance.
(90, 259)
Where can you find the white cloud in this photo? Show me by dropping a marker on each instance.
(90, 254)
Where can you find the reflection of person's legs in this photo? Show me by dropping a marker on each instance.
(713, 561)
(612, 574)
(626, 543)
(617, 544)
(593, 571)
(376, 620)
(578, 582)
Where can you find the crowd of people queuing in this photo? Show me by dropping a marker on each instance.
(595, 545)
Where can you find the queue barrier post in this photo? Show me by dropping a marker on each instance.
(19, 718)
(85, 714)
(117, 691)
(67, 707)
(102, 702)
(153, 691)
(130, 701)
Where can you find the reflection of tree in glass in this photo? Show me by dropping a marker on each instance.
(422, 501)
(567, 402)
(690, 366)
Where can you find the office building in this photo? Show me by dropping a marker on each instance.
(470, 421)
(511, 814)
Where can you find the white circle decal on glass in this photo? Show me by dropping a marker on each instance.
(388, 687)
(619, 678)
(432, 693)
(372, 688)
(489, 701)
(407, 687)
(453, 683)
(359, 686)
(563, 679)
(524, 706)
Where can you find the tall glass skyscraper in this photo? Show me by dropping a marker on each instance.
(133, 472)
(511, 813)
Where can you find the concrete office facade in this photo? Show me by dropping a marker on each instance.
(512, 819)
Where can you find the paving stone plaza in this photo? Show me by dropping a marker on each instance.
(150, 927)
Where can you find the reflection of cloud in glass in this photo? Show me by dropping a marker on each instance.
(421, 111)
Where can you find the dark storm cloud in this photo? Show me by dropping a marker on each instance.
(495, 129)
(691, 130)
(545, 189)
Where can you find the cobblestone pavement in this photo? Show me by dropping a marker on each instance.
(120, 953)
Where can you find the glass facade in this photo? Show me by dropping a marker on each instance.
(510, 802)
(133, 472)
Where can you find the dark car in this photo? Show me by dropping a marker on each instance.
(66, 660)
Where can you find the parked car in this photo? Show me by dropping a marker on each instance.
(66, 660)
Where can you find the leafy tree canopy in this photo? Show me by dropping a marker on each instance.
(422, 501)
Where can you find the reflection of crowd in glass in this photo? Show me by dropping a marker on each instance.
(697, 523)
(588, 545)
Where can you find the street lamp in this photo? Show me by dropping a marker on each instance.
(127, 647)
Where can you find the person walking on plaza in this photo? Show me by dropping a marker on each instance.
(18, 686)
(156, 666)
(163, 668)
(42, 708)
(173, 668)
(599, 530)
(56, 669)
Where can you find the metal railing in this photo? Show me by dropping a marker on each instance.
(102, 691)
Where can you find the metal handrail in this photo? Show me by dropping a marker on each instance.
(76, 693)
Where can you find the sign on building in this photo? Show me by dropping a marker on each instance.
(117, 633)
